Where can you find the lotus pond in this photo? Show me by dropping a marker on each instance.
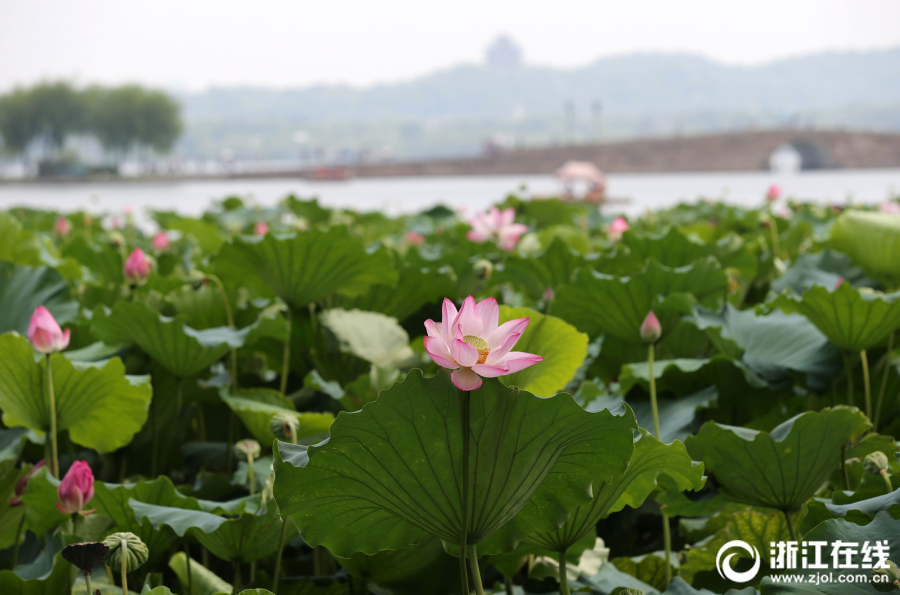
(537, 399)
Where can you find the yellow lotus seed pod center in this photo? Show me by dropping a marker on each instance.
(479, 344)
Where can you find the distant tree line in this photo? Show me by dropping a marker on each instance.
(122, 118)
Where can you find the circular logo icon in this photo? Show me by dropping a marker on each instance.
(724, 566)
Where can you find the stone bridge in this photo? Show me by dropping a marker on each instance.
(743, 151)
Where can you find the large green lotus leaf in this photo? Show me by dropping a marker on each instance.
(23, 288)
(416, 286)
(599, 303)
(775, 343)
(823, 268)
(49, 574)
(257, 406)
(780, 469)
(18, 245)
(104, 262)
(170, 341)
(883, 527)
(203, 308)
(207, 235)
(247, 538)
(670, 248)
(203, 581)
(101, 407)
(851, 318)
(41, 515)
(10, 516)
(389, 474)
(306, 267)
(371, 336)
(871, 239)
(651, 458)
(558, 342)
(391, 566)
(860, 512)
(551, 268)
(681, 376)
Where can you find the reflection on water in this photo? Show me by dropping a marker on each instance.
(405, 195)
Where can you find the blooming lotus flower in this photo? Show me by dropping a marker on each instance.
(773, 193)
(889, 207)
(76, 489)
(62, 227)
(617, 228)
(651, 330)
(261, 228)
(22, 484)
(498, 226)
(473, 344)
(44, 332)
(161, 242)
(414, 238)
(137, 267)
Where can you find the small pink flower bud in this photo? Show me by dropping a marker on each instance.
(261, 228)
(76, 489)
(137, 267)
(161, 242)
(44, 332)
(651, 330)
(62, 227)
(549, 295)
(22, 484)
(617, 228)
(774, 193)
(415, 239)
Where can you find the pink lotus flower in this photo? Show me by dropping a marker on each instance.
(115, 222)
(415, 239)
(22, 484)
(617, 228)
(889, 207)
(76, 489)
(137, 267)
(161, 242)
(62, 227)
(651, 330)
(774, 193)
(44, 332)
(473, 344)
(261, 228)
(498, 226)
(549, 294)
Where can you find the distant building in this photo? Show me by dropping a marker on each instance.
(503, 53)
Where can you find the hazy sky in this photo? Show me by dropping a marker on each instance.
(196, 43)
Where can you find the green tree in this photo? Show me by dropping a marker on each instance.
(49, 111)
(17, 125)
(133, 117)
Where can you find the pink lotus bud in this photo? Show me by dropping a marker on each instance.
(115, 222)
(76, 489)
(651, 330)
(261, 228)
(415, 239)
(22, 485)
(774, 193)
(839, 282)
(549, 295)
(617, 228)
(137, 267)
(161, 242)
(890, 207)
(62, 227)
(44, 332)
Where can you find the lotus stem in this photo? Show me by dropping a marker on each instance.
(250, 477)
(190, 585)
(463, 537)
(123, 544)
(229, 454)
(87, 581)
(154, 454)
(476, 571)
(887, 481)
(286, 363)
(54, 455)
(844, 467)
(888, 358)
(848, 368)
(790, 525)
(277, 574)
(563, 576)
(508, 585)
(667, 533)
(18, 538)
(776, 244)
(866, 387)
(237, 579)
(230, 318)
(109, 575)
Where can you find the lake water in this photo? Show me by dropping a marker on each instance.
(405, 195)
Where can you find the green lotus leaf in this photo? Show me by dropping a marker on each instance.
(10, 516)
(257, 406)
(682, 376)
(104, 262)
(598, 303)
(871, 239)
(552, 268)
(18, 245)
(247, 538)
(651, 458)
(860, 512)
(203, 581)
(49, 574)
(851, 318)
(371, 336)
(649, 569)
(101, 407)
(823, 268)
(23, 288)
(306, 267)
(207, 235)
(203, 308)
(780, 469)
(170, 341)
(391, 566)
(389, 474)
(558, 342)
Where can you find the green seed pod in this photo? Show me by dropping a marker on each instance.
(284, 425)
(886, 579)
(484, 268)
(630, 591)
(875, 462)
(246, 447)
(137, 551)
